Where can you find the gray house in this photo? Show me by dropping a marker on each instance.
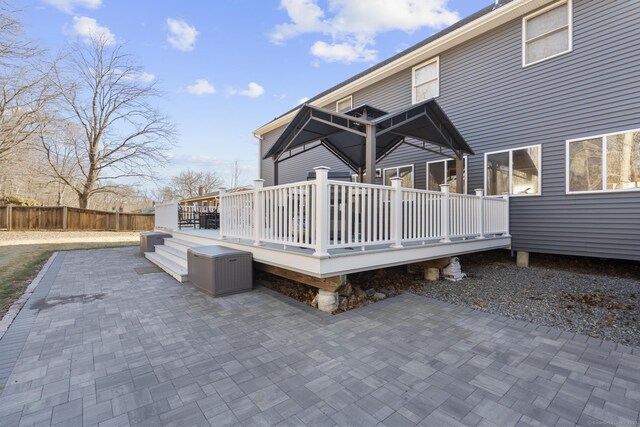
(546, 94)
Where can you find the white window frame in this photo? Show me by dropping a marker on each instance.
(346, 98)
(510, 151)
(397, 168)
(464, 171)
(603, 139)
(413, 79)
(569, 4)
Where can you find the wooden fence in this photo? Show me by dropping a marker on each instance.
(66, 218)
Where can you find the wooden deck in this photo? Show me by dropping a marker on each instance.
(327, 229)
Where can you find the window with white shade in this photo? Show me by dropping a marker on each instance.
(444, 172)
(426, 80)
(515, 171)
(404, 172)
(608, 162)
(345, 104)
(547, 33)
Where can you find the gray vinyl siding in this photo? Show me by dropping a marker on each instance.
(497, 104)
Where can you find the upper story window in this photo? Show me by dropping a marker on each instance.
(345, 104)
(515, 171)
(404, 172)
(547, 33)
(426, 80)
(604, 163)
(444, 172)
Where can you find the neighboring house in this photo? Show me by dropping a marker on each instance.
(547, 94)
(204, 199)
(209, 199)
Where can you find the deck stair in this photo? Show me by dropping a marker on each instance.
(172, 257)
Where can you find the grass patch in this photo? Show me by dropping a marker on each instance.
(19, 264)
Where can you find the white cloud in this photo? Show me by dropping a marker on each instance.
(182, 36)
(302, 100)
(253, 90)
(201, 87)
(342, 52)
(142, 77)
(68, 5)
(88, 29)
(352, 25)
(145, 77)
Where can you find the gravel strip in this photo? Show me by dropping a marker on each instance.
(592, 297)
(8, 238)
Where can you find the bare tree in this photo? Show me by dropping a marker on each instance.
(25, 89)
(122, 135)
(235, 174)
(188, 183)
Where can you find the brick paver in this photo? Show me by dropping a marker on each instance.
(110, 346)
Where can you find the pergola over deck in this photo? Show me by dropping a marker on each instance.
(365, 135)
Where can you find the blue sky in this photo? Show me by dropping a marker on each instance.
(229, 66)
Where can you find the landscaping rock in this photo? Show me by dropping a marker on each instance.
(379, 296)
(370, 292)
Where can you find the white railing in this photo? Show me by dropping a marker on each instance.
(359, 214)
(464, 218)
(166, 215)
(325, 215)
(496, 215)
(236, 215)
(288, 214)
(421, 215)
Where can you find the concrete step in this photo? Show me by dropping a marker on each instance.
(174, 270)
(179, 244)
(175, 255)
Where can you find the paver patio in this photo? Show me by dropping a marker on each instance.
(114, 343)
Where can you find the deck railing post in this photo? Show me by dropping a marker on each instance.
(258, 223)
(322, 211)
(480, 194)
(396, 212)
(444, 213)
(223, 214)
(505, 196)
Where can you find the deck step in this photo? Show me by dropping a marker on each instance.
(176, 271)
(180, 244)
(175, 255)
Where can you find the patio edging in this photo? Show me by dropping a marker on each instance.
(15, 308)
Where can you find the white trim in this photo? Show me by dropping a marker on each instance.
(491, 20)
(397, 168)
(350, 98)
(465, 172)
(603, 138)
(569, 27)
(510, 151)
(413, 78)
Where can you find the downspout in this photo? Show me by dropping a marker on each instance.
(259, 138)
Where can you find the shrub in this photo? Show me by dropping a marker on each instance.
(20, 201)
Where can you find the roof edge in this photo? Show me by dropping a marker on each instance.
(480, 25)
